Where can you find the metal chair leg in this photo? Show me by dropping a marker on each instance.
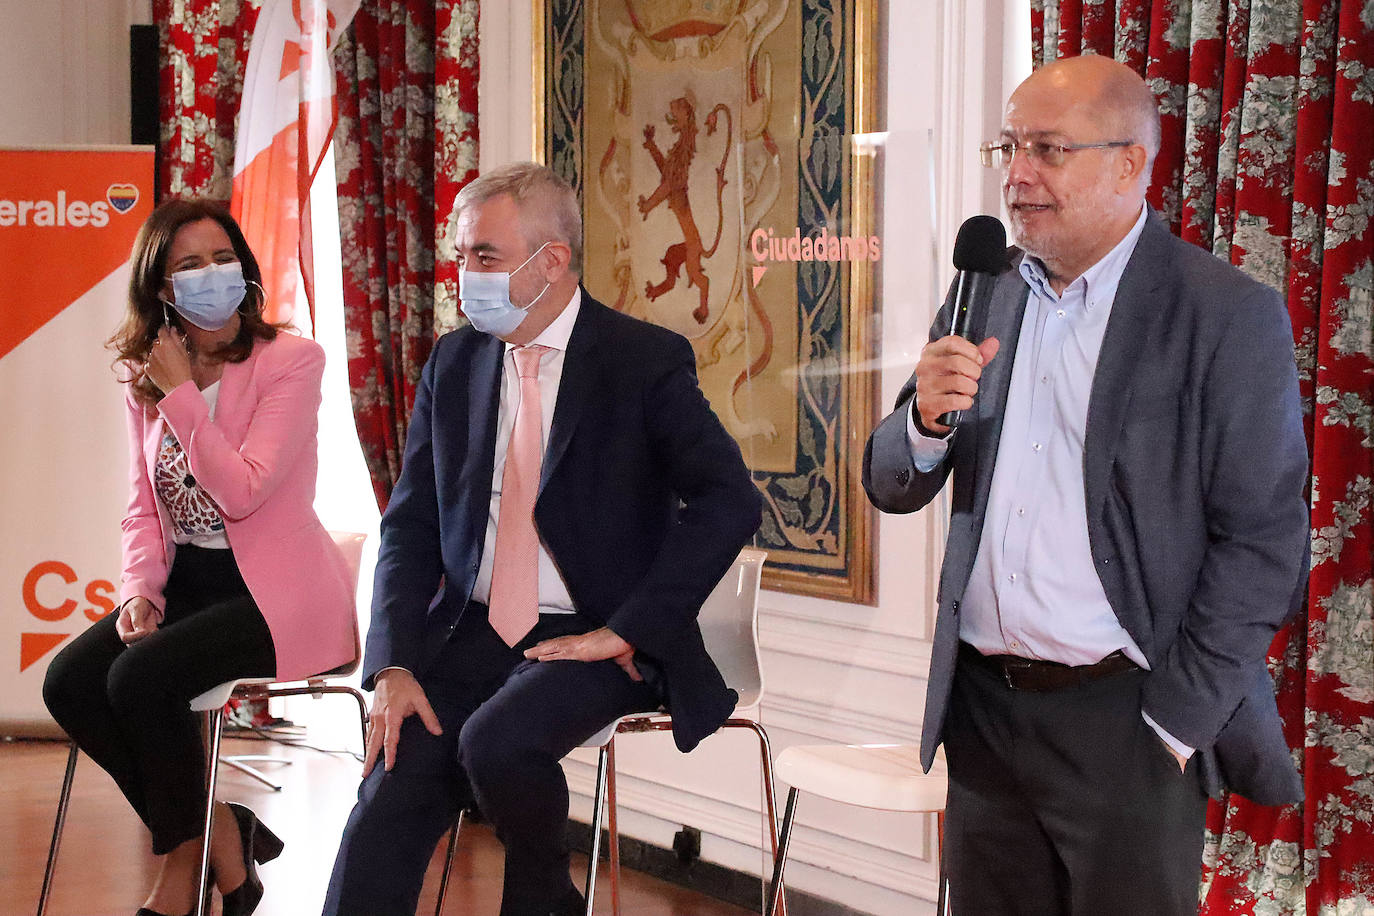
(237, 762)
(216, 718)
(612, 828)
(63, 800)
(942, 905)
(362, 712)
(448, 863)
(775, 890)
(598, 814)
(770, 793)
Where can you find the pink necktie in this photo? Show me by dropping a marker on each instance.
(514, 605)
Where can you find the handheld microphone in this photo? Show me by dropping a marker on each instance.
(980, 252)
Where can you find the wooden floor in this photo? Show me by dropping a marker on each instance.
(105, 866)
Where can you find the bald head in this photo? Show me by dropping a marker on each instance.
(1075, 198)
(1115, 95)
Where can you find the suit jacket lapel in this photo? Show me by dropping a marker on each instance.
(154, 427)
(1135, 307)
(484, 402)
(232, 383)
(1005, 311)
(574, 386)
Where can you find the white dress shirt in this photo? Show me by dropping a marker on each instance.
(553, 593)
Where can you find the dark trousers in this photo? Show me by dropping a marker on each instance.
(127, 708)
(507, 723)
(1066, 803)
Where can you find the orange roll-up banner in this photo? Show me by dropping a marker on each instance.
(68, 218)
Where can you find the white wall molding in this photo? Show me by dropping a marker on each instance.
(800, 719)
(826, 640)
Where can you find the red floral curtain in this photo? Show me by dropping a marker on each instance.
(203, 47)
(406, 142)
(1268, 161)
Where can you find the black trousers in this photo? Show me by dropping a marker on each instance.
(127, 708)
(1066, 803)
(507, 722)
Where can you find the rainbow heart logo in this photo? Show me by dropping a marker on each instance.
(122, 197)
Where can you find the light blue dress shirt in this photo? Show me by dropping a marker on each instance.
(1033, 591)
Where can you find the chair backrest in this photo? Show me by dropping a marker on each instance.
(350, 544)
(729, 623)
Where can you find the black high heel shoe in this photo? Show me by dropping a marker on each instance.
(260, 845)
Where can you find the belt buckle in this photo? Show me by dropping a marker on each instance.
(1008, 667)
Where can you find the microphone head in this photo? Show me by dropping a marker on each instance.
(981, 245)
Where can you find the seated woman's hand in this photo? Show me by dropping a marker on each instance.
(137, 619)
(168, 363)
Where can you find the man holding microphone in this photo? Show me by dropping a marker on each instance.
(1128, 525)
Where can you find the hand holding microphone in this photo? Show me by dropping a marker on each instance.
(947, 380)
(949, 369)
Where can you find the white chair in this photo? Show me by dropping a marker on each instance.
(251, 689)
(729, 628)
(886, 777)
(212, 703)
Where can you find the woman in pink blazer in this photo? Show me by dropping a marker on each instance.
(227, 570)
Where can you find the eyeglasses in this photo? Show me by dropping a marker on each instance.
(998, 155)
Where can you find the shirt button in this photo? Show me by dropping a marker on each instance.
(1012, 577)
(1035, 446)
(1021, 511)
(1044, 379)
(1059, 313)
(1013, 645)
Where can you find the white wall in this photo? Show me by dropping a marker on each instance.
(65, 68)
(835, 672)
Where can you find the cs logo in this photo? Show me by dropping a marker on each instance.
(56, 579)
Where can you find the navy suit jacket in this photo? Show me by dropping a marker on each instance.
(1194, 470)
(644, 502)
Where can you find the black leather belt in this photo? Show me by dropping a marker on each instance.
(1035, 675)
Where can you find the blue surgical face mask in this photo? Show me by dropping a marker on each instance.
(486, 299)
(208, 296)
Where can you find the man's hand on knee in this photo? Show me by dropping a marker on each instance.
(398, 695)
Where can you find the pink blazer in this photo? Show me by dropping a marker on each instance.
(257, 459)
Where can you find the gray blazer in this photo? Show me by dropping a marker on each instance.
(1194, 467)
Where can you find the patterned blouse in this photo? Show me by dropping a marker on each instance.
(195, 517)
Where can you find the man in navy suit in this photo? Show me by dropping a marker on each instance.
(641, 502)
(1127, 532)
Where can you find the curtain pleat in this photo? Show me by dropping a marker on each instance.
(203, 48)
(406, 143)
